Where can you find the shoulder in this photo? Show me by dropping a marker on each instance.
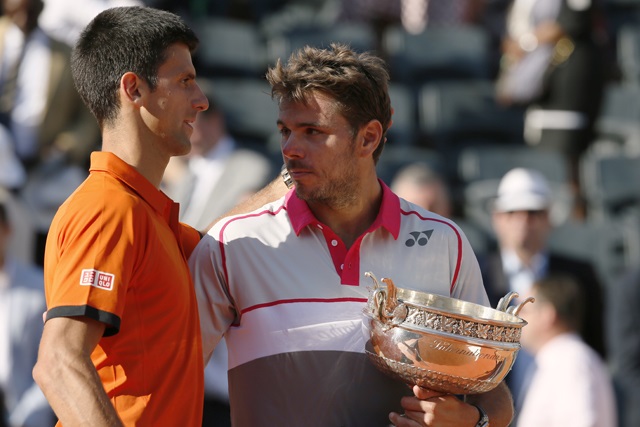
(100, 199)
(104, 191)
(412, 215)
(252, 222)
(570, 353)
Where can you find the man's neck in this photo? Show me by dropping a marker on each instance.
(148, 162)
(526, 256)
(350, 222)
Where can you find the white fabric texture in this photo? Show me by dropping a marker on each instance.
(571, 387)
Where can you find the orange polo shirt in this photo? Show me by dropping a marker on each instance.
(117, 253)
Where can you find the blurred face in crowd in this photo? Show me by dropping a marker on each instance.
(23, 13)
(432, 196)
(522, 230)
(208, 129)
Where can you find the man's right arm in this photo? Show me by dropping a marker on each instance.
(271, 192)
(65, 373)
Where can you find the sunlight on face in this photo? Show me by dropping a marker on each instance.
(319, 149)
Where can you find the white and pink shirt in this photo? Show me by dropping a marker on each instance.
(288, 296)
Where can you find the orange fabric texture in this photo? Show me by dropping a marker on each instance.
(117, 253)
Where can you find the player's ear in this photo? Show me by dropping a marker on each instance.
(132, 87)
(369, 137)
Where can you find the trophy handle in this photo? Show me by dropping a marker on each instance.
(515, 310)
(386, 301)
(373, 277)
(392, 297)
(504, 302)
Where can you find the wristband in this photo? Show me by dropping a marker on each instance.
(284, 172)
(484, 418)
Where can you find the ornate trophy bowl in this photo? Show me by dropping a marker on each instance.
(440, 343)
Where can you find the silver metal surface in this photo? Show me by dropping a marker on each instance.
(441, 343)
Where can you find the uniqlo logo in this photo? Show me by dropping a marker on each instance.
(97, 279)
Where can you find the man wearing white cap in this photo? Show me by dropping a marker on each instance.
(522, 227)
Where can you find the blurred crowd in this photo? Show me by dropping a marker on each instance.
(519, 119)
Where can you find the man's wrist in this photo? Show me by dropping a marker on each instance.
(483, 420)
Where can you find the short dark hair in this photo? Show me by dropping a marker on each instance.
(357, 81)
(119, 40)
(564, 293)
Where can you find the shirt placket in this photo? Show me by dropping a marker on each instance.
(346, 262)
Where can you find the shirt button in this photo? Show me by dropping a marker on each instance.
(341, 266)
(320, 226)
(334, 242)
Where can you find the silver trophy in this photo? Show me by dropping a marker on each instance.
(441, 343)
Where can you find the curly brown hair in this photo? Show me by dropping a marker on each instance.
(358, 82)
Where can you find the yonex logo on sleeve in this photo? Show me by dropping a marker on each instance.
(97, 279)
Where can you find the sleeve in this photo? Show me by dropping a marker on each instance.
(189, 239)
(215, 305)
(468, 285)
(97, 248)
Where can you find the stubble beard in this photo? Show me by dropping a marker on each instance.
(337, 193)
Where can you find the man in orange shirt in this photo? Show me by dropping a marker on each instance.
(121, 343)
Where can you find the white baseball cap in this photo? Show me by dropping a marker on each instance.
(523, 189)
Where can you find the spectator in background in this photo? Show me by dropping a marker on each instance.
(623, 333)
(12, 173)
(52, 132)
(12, 177)
(553, 62)
(220, 174)
(248, 10)
(22, 303)
(413, 15)
(571, 385)
(38, 102)
(522, 228)
(418, 183)
(64, 19)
